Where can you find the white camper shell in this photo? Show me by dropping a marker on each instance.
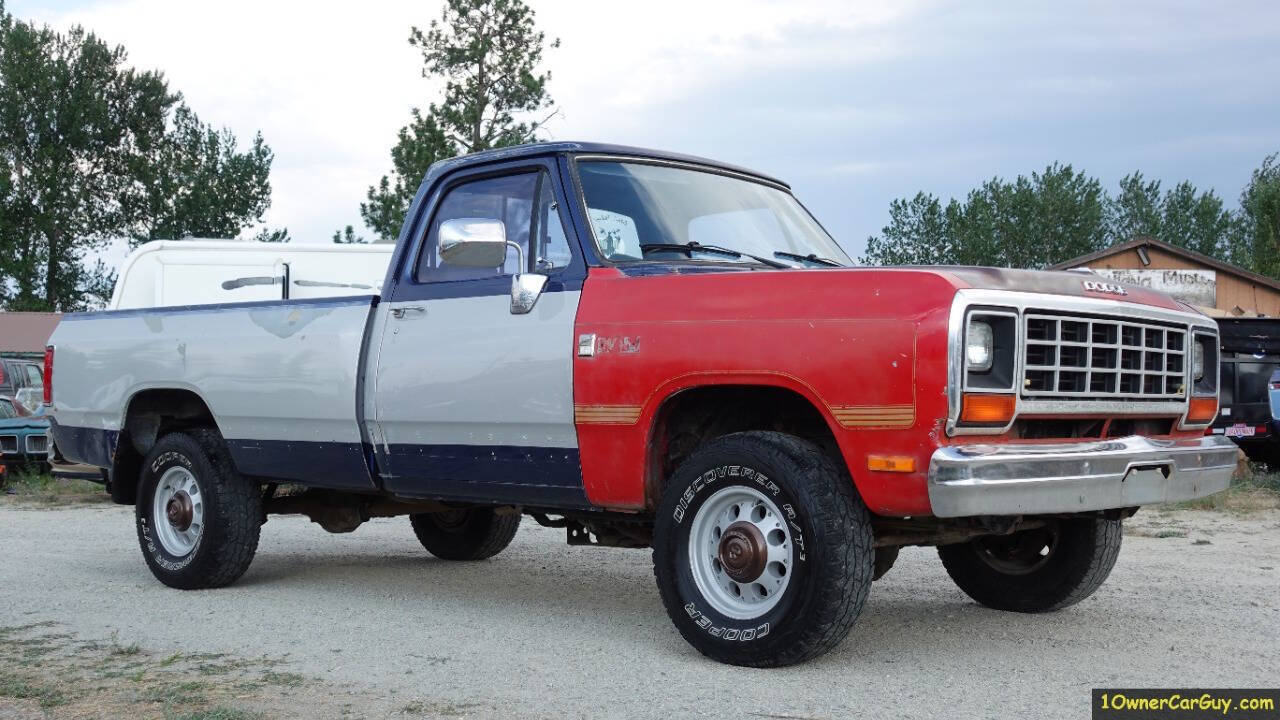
(169, 273)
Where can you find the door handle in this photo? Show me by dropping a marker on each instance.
(400, 312)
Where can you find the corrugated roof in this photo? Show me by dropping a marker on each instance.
(26, 332)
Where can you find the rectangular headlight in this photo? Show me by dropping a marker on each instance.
(979, 346)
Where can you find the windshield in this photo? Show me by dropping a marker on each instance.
(647, 212)
(6, 409)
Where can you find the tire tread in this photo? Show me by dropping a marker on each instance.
(845, 560)
(232, 532)
(1094, 546)
(480, 541)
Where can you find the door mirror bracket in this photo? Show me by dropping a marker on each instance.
(526, 288)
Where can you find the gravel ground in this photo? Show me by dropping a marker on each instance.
(545, 630)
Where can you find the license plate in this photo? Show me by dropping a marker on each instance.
(1240, 430)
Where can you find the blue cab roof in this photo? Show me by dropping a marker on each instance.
(584, 148)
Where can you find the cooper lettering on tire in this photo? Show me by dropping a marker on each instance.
(762, 550)
(198, 519)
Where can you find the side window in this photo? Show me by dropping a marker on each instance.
(33, 376)
(552, 246)
(508, 198)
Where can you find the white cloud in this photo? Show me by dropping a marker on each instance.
(857, 102)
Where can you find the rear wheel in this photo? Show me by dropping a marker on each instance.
(1036, 570)
(465, 533)
(198, 519)
(762, 550)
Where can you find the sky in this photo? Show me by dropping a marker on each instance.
(853, 103)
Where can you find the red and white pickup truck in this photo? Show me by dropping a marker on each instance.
(653, 350)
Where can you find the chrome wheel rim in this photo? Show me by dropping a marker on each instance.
(740, 552)
(177, 511)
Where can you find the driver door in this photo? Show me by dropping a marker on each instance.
(472, 401)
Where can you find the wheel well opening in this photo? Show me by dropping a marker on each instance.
(151, 415)
(693, 417)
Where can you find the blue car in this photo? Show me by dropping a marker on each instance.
(24, 438)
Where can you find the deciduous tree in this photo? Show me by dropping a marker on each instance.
(1030, 222)
(1181, 216)
(197, 183)
(73, 119)
(1260, 219)
(92, 149)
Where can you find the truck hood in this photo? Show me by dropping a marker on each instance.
(1071, 284)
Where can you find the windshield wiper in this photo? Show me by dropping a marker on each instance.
(691, 247)
(806, 258)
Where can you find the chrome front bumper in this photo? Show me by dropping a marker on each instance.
(967, 480)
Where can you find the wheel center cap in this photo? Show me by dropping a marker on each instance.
(179, 512)
(743, 552)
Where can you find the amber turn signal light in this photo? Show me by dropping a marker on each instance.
(1203, 409)
(891, 463)
(986, 409)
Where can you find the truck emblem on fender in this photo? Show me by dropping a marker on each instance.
(1104, 287)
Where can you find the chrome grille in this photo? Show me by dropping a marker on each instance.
(37, 443)
(8, 443)
(1081, 357)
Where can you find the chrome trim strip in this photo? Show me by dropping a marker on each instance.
(1019, 303)
(1018, 345)
(1016, 479)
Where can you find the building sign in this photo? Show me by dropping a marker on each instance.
(1195, 287)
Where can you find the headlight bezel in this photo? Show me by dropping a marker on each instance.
(1205, 345)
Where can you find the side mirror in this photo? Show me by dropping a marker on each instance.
(526, 288)
(482, 243)
(473, 242)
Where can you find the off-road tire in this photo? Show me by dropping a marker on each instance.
(232, 513)
(465, 534)
(830, 532)
(1082, 558)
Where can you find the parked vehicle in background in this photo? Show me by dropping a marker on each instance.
(1275, 398)
(202, 272)
(16, 374)
(24, 437)
(1250, 362)
(655, 350)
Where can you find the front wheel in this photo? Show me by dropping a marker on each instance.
(762, 550)
(198, 519)
(1036, 570)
